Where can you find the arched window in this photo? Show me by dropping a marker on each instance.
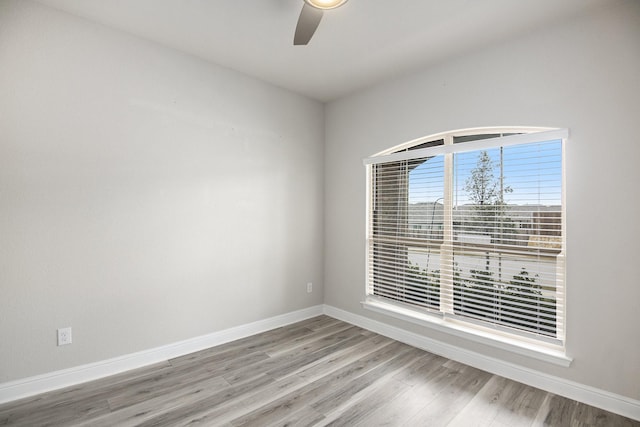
(468, 227)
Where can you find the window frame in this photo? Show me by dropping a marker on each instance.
(551, 350)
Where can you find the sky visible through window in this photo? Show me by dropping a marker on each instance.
(532, 171)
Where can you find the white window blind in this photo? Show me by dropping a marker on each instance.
(470, 227)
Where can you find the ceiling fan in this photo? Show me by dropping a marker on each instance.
(310, 17)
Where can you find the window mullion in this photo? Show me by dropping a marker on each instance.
(446, 254)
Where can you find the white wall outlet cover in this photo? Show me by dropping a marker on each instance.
(64, 336)
(309, 287)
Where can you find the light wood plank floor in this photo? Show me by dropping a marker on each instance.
(317, 372)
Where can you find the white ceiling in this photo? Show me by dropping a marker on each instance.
(356, 45)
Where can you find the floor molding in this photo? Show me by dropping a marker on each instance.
(582, 393)
(26, 387)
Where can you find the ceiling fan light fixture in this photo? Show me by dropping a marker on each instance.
(325, 4)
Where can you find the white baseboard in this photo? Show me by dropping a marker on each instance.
(18, 389)
(582, 393)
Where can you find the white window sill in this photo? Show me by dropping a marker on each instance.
(542, 351)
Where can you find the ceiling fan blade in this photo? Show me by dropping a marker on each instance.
(307, 23)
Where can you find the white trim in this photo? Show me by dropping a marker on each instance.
(18, 389)
(608, 401)
(484, 144)
(483, 130)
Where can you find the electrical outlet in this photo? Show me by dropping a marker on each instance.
(64, 336)
(309, 287)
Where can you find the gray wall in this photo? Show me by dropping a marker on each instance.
(146, 197)
(583, 74)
